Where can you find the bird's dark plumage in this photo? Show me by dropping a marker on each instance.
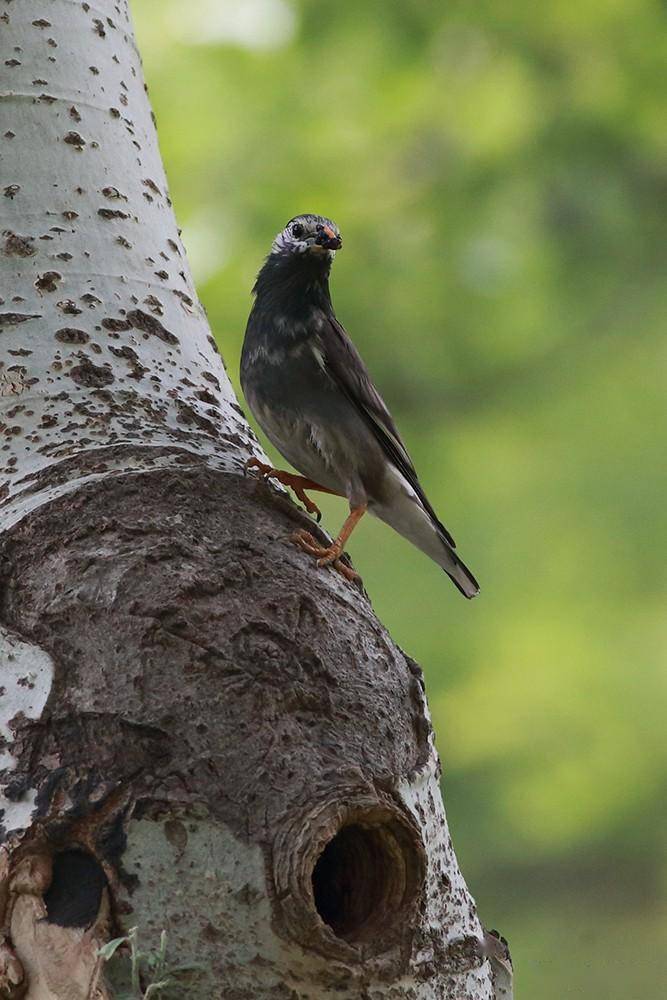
(313, 396)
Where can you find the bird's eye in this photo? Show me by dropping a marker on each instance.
(319, 227)
(297, 230)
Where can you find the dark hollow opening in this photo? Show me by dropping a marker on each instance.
(358, 880)
(74, 896)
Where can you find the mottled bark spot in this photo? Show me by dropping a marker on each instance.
(124, 352)
(91, 300)
(74, 139)
(149, 324)
(69, 307)
(183, 297)
(154, 304)
(112, 213)
(17, 245)
(109, 323)
(48, 282)
(206, 397)
(13, 318)
(210, 377)
(91, 376)
(189, 416)
(69, 335)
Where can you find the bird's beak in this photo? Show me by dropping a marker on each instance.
(327, 240)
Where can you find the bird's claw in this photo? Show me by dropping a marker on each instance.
(326, 555)
(287, 479)
(310, 506)
(254, 463)
(309, 544)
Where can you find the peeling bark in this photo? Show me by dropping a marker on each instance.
(199, 732)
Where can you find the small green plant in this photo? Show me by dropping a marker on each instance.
(144, 965)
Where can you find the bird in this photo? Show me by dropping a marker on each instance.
(312, 395)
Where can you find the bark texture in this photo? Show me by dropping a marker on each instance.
(199, 732)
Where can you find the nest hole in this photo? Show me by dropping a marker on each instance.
(73, 899)
(361, 881)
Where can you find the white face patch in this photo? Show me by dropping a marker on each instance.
(286, 242)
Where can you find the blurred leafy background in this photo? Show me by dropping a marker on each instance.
(499, 173)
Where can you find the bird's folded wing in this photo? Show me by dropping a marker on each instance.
(343, 364)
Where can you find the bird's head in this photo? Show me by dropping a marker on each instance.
(309, 235)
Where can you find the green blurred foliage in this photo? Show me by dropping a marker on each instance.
(499, 174)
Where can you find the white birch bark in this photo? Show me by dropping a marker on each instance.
(104, 343)
(108, 371)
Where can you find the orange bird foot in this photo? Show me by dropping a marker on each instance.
(296, 483)
(326, 555)
(330, 555)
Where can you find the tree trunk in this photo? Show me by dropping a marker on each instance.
(200, 732)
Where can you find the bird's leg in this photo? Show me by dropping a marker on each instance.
(330, 554)
(296, 483)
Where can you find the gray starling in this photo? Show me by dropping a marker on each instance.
(312, 395)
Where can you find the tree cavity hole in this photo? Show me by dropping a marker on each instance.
(74, 896)
(360, 880)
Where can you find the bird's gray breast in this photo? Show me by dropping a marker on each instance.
(300, 409)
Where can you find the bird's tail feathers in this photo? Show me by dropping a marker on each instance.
(459, 574)
(407, 516)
